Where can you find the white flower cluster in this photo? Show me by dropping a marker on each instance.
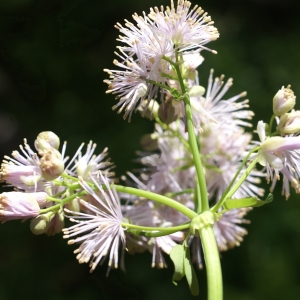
(149, 44)
(170, 169)
(161, 53)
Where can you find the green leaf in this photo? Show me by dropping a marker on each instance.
(247, 202)
(190, 273)
(238, 203)
(177, 256)
(269, 199)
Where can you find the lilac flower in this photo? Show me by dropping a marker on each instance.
(22, 171)
(212, 108)
(89, 164)
(100, 232)
(280, 155)
(224, 153)
(141, 61)
(187, 29)
(227, 231)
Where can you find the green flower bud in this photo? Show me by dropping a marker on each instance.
(40, 224)
(74, 205)
(283, 101)
(56, 224)
(46, 140)
(289, 123)
(51, 164)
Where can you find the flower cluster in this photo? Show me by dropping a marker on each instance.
(38, 179)
(281, 153)
(150, 45)
(197, 169)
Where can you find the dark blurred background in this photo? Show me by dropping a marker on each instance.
(52, 56)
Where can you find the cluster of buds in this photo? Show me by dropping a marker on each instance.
(283, 102)
(280, 151)
(37, 179)
(46, 191)
(31, 175)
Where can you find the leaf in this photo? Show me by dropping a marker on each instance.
(190, 273)
(177, 256)
(238, 203)
(269, 199)
(247, 202)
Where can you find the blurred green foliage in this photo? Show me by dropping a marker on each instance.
(52, 56)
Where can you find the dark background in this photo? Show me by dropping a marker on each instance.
(52, 56)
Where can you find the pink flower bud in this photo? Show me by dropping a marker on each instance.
(18, 205)
(18, 175)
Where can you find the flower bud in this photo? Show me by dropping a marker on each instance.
(18, 175)
(149, 142)
(51, 164)
(18, 205)
(74, 205)
(196, 91)
(278, 144)
(283, 101)
(46, 140)
(149, 109)
(40, 224)
(289, 123)
(167, 112)
(56, 224)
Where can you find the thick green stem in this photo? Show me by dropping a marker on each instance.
(212, 262)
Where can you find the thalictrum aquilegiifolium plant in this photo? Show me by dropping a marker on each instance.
(200, 169)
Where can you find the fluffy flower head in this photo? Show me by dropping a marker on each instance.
(99, 231)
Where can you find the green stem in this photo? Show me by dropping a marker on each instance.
(160, 85)
(154, 231)
(271, 124)
(198, 207)
(157, 198)
(203, 200)
(61, 203)
(212, 262)
(175, 133)
(236, 186)
(216, 207)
